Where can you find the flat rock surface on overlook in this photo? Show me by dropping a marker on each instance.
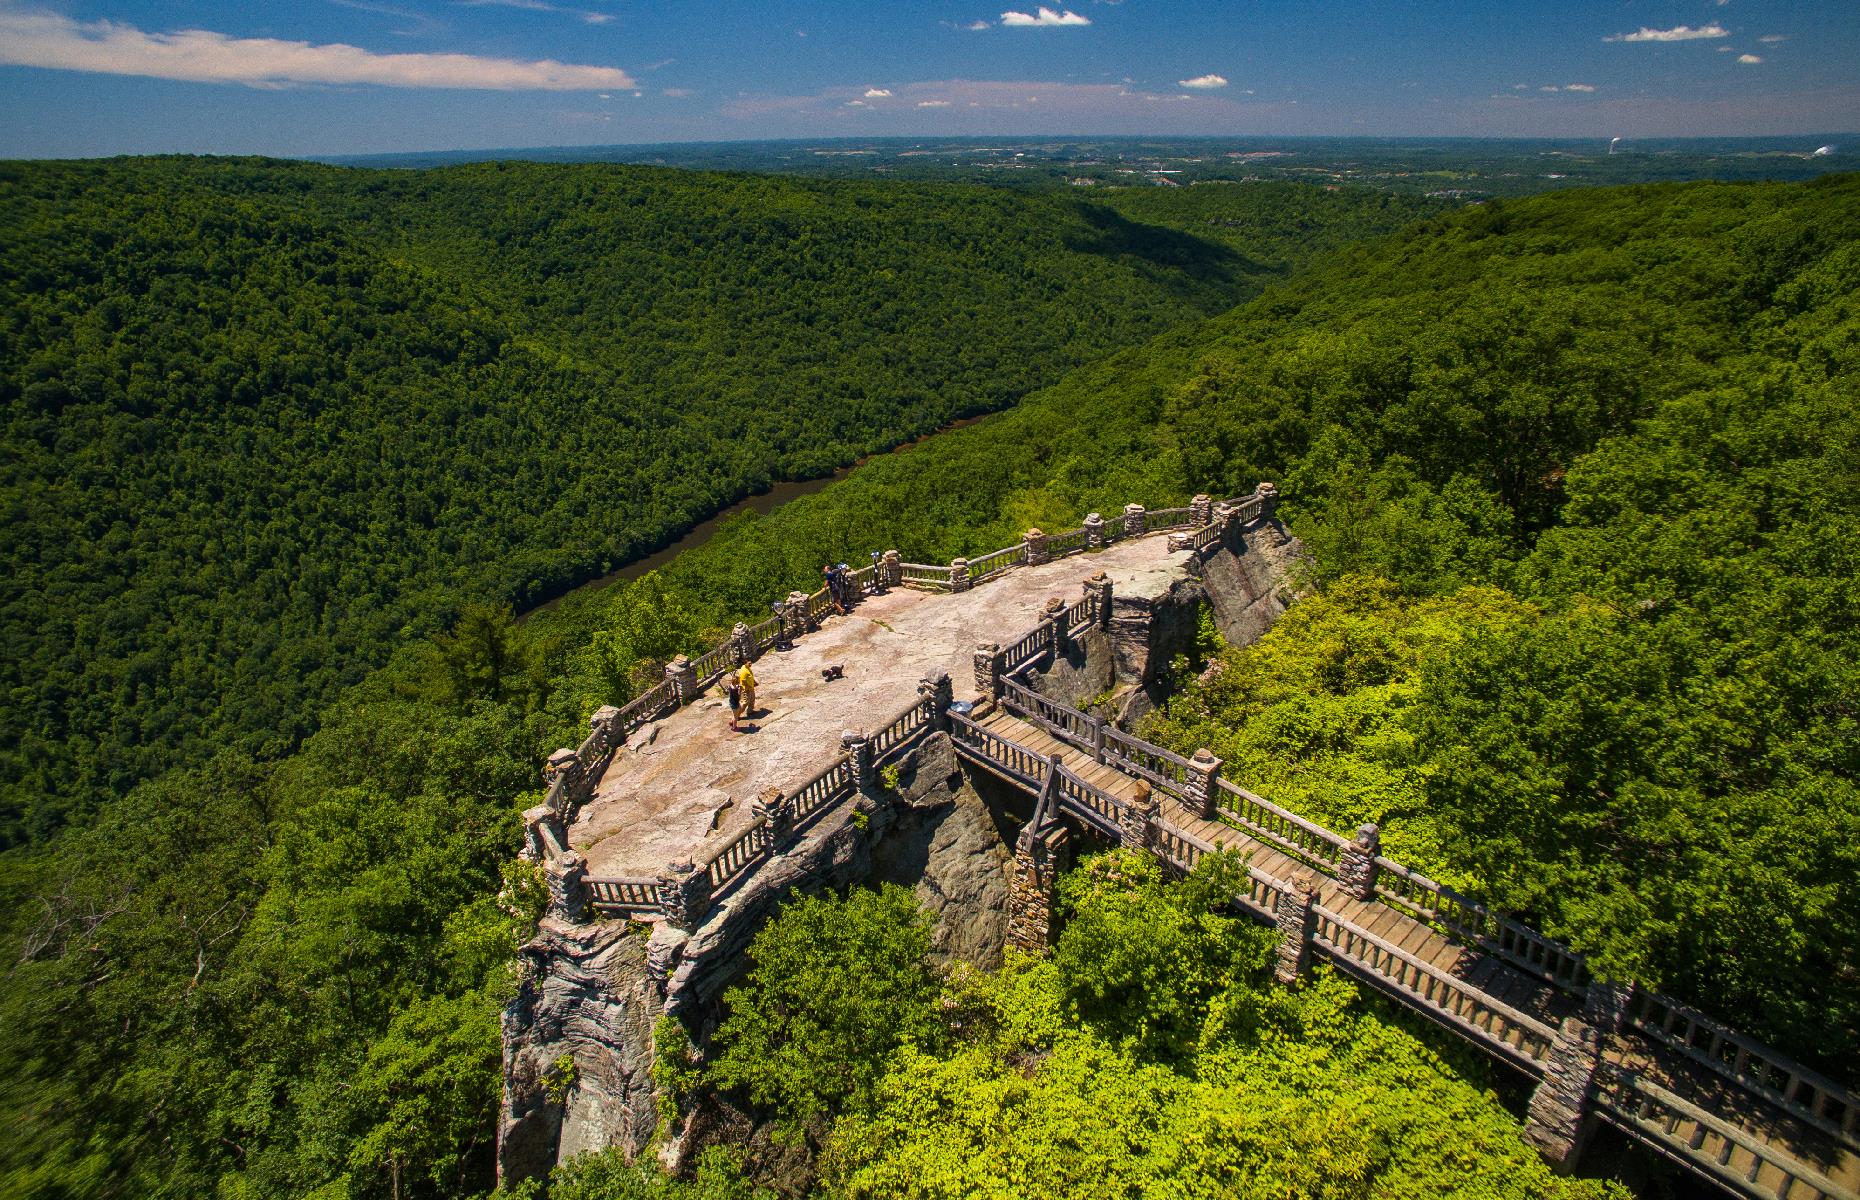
(686, 781)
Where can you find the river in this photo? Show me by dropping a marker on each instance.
(763, 502)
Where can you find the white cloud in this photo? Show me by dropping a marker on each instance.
(877, 93)
(1578, 87)
(1726, 49)
(676, 93)
(40, 39)
(1749, 58)
(1678, 33)
(933, 104)
(1044, 18)
(1772, 39)
(975, 25)
(1520, 87)
(1549, 87)
(1203, 81)
(594, 18)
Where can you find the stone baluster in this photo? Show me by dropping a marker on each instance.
(1134, 520)
(1292, 913)
(682, 675)
(958, 574)
(1040, 856)
(684, 894)
(1356, 866)
(1033, 548)
(1094, 531)
(1098, 590)
(1561, 1115)
(1136, 821)
(1199, 786)
(1053, 621)
(1269, 500)
(1200, 510)
(777, 815)
(891, 569)
(742, 645)
(859, 751)
(567, 879)
(937, 690)
(990, 665)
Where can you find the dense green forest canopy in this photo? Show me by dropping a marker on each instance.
(265, 420)
(1580, 475)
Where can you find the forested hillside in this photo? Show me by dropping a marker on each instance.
(266, 420)
(1580, 472)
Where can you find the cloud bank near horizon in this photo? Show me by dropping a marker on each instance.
(49, 40)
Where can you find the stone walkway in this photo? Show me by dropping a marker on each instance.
(687, 779)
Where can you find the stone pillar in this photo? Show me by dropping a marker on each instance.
(990, 665)
(684, 892)
(773, 808)
(683, 678)
(1053, 620)
(1292, 914)
(1098, 590)
(891, 569)
(936, 688)
(1040, 855)
(794, 615)
(567, 878)
(1094, 531)
(859, 750)
(1356, 867)
(561, 764)
(1133, 520)
(1198, 783)
(540, 825)
(1137, 820)
(1269, 500)
(604, 716)
(1033, 548)
(742, 645)
(1201, 510)
(958, 574)
(1561, 1117)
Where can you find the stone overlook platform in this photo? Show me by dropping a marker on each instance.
(962, 712)
(686, 780)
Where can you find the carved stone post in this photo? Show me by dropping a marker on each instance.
(1133, 520)
(1269, 500)
(1094, 531)
(1033, 548)
(1356, 867)
(603, 718)
(682, 675)
(567, 878)
(1561, 1117)
(1292, 913)
(859, 749)
(742, 645)
(936, 688)
(1053, 621)
(1198, 783)
(1136, 821)
(1201, 510)
(990, 665)
(1098, 590)
(561, 764)
(542, 832)
(684, 892)
(958, 574)
(1040, 855)
(773, 808)
(794, 615)
(891, 569)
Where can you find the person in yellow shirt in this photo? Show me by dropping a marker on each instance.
(746, 683)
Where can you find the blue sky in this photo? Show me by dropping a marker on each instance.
(358, 76)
